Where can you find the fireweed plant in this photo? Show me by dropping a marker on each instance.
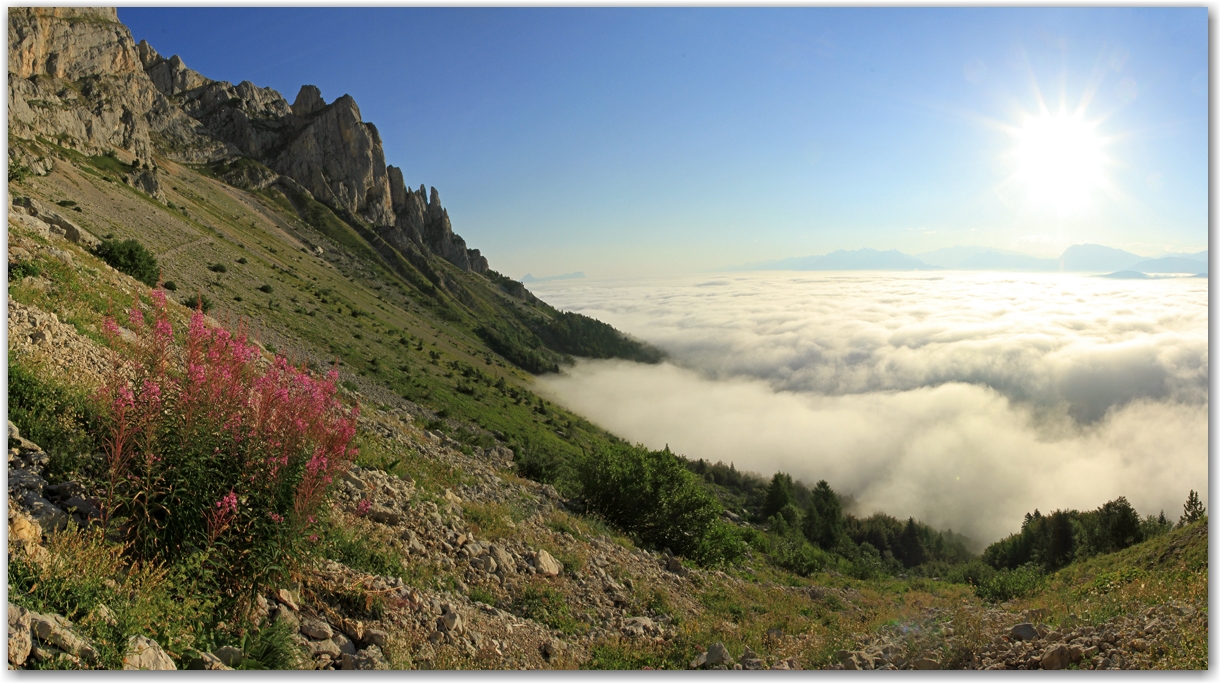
(212, 451)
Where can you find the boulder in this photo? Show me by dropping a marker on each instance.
(925, 664)
(551, 648)
(283, 613)
(385, 516)
(368, 659)
(789, 664)
(855, 660)
(148, 182)
(377, 637)
(750, 661)
(715, 655)
(286, 597)
(326, 648)
(57, 224)
(144, 653)
(316, 629)
(21, 527)
(1056, 657)
(52, 629)
(344, 644)
(229, 656)
(547, 565)
(29, 224)
(207, 662)
(1025, 631)
(638, 627)
(450, 622)
(19, 641)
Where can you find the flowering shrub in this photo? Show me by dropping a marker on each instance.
(210, 449)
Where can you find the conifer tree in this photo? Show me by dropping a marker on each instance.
(824, 517)
(779, 495)
(1193, 510)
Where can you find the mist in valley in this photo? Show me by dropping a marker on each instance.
(962, 399)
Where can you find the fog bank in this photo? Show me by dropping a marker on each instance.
(964, 400)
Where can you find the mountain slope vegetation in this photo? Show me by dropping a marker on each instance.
(160, 220)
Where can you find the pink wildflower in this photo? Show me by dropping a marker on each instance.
(163, 329)
(362, 508)
(228, 503)
(124, 398)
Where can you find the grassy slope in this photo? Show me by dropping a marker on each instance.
(1172, 566)
(391, 337)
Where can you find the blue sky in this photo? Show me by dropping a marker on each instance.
(624, 141)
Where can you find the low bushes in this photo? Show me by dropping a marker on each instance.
(130, 257)
(997, 585)
(653, 497)
(55, 416)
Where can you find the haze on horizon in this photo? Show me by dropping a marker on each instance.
(637, 141)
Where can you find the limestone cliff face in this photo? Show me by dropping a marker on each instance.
(419, 218)
(69, 42)
(77, 76)
(337, 156)
(74, 75)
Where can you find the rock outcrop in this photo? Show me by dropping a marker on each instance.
(78, 78)
(144, 654)
(337, 157)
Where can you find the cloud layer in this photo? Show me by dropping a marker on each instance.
(964, 399)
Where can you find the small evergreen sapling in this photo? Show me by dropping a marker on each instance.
(1193, 510)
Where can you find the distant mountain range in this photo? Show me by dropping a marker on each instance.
(1079, 258)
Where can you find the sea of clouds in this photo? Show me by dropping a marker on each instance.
(962, 399)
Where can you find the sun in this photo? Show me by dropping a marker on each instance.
(1060, 159)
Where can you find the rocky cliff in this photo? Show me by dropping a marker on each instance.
(78, 79)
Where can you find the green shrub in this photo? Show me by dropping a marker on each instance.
(653, 497)
(23, 269)
(1007, 584)
(867, 563)
(218, 268)
(265, 289)
(271, 647)
(130, 257)
(18, 172)
(57, 417)
(170, 286)
(791, 551)
(198, 302)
